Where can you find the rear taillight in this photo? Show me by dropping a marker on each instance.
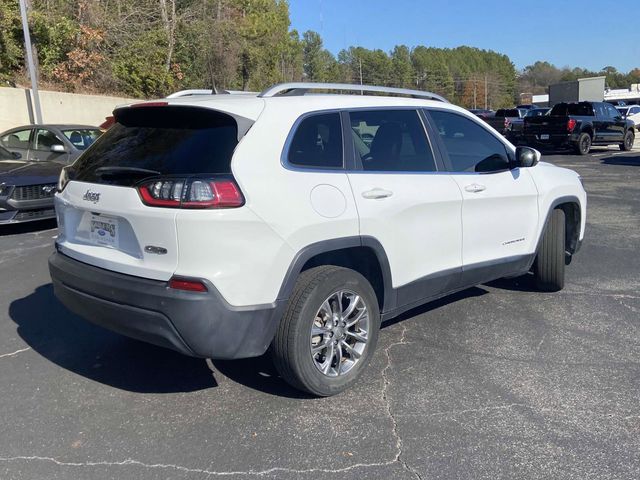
(571, 124)
(191, 193)
(187, 284)
(63, 179)
(507, 123)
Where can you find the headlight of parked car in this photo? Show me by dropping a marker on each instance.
(5, 190)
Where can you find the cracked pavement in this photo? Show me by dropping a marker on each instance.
(498, 381)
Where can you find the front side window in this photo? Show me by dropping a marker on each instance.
(317, 142)
(469, 146)
(17, 139)
(391, 141)
(612, 112)
(45, 139)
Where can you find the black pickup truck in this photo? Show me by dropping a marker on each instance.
(579, 126)
(507, 121)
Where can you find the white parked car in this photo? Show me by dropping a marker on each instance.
(220, 225)
(631, 112)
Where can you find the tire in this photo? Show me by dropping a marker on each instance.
(315, 291)
(550, 261)
(583, 145)
(629, 138)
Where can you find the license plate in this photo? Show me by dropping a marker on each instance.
(544, 136)
(104, 231)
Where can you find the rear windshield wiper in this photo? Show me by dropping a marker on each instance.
(125, 170)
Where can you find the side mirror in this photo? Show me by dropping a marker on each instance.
(58, 148)
(16, 155)
(527, 157)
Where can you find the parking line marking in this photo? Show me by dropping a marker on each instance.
(15, 353)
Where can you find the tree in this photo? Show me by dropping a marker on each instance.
(319, 64)
(402, 70)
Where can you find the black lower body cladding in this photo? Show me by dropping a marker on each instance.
(196, 324)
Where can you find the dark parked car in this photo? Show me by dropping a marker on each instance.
(53, 143)
(26, 188)
(578, 126)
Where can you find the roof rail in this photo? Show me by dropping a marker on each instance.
(189, 93)
(301, 88)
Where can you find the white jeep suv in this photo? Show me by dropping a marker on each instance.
(222, 225)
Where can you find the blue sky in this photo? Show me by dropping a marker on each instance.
(563, 32)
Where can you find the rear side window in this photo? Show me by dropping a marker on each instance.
(391, 141)
(469, 146)
(17, 139)
(159, 141)
(317, 142)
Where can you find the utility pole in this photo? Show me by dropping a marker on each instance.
(360, 63)
(475, 91)
(486, 92)
(32, 69)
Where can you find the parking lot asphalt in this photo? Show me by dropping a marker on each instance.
(498, 381)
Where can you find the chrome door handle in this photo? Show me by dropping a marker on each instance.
(475, 188)
(377, 193)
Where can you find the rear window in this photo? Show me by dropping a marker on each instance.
(512, 112)
(578, 109)
(159, 141)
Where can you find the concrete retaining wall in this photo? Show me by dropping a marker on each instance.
(57, 107)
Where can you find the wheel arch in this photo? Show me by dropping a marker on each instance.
(570, 205)
(360, 253)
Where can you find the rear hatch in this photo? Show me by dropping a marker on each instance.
(118, 205)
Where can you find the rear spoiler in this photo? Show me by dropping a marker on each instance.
(243, 123)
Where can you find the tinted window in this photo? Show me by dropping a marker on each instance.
(81, 138)
(579, 109)
(45, 139)
(17, 139)
(611, 111)
(467, 143)
(391, 141)
(317, 142)
(160, 140)
(511, 112)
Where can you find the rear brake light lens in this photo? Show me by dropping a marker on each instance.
(187, 285)
(149, 104)
(191, 193)
(571, 124)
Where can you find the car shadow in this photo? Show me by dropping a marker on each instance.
(523, 283)
(628, 161)
(28, 227)
(111, 359)
(100, 355)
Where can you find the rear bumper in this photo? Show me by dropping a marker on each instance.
(563, 140)
(196, 324)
